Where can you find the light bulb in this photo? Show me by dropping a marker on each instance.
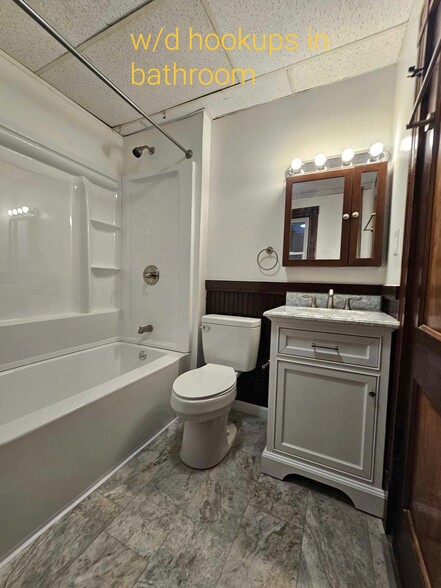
(347, 156)
(10, 212)
(14, 211)
(296, 164)
(20, 210)
(320, 160)
(25, 209)
(376, 150)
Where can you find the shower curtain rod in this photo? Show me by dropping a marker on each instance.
(48, 28)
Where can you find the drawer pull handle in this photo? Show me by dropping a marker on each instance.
(331, 347)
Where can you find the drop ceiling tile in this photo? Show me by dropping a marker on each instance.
(24, 40)
(77, 20)
(342, 20)
(113, 53)
(266, 88)
(74, 80)
(352, 60)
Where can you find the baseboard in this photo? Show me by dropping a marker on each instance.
(248, 408)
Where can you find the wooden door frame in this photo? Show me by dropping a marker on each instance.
(415, 260)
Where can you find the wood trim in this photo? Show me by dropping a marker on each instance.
(407, 558)
(390, 292)
(343, 260)
(356, 224)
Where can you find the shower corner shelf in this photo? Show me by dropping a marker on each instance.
(103, 225)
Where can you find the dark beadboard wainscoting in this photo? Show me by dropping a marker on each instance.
(254, 298)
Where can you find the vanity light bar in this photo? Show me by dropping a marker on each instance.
(349, 157)
(20, 212)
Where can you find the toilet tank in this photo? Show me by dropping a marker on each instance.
(231, 341)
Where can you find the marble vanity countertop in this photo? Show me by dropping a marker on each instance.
(349, 317)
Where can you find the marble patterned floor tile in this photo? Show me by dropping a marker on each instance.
(381, 554)
(49, 555)
(106, 562)
(177, 480)
(222, 498)
(265, 553)
(145, 523)
(137, 474)
(283, 499)
(336, 550)
(157, 523)
(251, 432)
(191, 557)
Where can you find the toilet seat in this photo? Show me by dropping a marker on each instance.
(209, 381)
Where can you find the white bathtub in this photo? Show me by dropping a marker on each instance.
(66, 422)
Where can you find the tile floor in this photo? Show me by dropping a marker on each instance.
(156, 523)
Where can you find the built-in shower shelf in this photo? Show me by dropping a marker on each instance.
(105, 268)
(104, 226)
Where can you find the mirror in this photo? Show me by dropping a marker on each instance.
(316, 219)
(368, 206)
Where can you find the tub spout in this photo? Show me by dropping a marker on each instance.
(145, 329)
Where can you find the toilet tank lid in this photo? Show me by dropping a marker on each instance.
(231, 321)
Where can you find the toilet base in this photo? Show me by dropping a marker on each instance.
(206, 443)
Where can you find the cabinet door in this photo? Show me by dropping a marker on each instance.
(326, 416)
(317, 217)
(367, 214)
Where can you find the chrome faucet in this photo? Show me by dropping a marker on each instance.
(145, 329)
(330, 303)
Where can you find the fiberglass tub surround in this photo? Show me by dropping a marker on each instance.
(68, 421)
(60, 251)
(80, 389)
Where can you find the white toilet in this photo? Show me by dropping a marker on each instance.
(203, 397)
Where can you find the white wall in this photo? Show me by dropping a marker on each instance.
(404, 100)
(194, 133)
(251, 151)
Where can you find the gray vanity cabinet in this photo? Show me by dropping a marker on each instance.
(339, 429)
(327, 405)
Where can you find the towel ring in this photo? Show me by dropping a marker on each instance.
(269, 251)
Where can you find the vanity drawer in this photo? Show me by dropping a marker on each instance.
(335, 347)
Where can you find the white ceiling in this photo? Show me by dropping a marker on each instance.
(364, 35)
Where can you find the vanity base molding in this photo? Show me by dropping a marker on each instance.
(364, 496)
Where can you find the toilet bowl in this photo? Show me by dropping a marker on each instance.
(203, 397)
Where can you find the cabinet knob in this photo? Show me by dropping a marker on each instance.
(372, 394)
(346, 216)
(355, 214)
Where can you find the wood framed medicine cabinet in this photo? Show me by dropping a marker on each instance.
(336, 217)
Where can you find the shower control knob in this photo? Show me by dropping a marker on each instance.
(151, 275)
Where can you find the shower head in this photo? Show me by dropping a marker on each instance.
(137, 151)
